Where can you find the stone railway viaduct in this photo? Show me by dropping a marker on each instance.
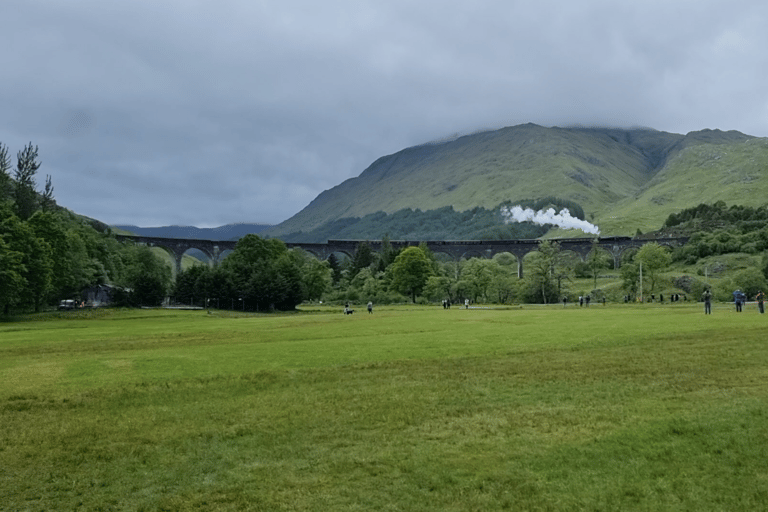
(456, 249)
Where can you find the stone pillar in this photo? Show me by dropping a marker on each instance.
(177, 257)
(616, 253)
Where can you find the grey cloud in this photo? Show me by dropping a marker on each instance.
(208, 113)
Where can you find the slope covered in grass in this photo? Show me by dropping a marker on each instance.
(623, 179)
(736, 173)
(589, 166)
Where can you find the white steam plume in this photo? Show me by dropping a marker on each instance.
(562, 219)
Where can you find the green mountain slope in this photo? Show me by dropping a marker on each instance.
(624, 179)
(733, 172)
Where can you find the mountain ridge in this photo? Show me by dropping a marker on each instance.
(599, 168)
(226, 232)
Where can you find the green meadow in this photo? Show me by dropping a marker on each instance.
(639, 407)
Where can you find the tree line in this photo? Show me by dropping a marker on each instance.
(47, 253)
(417, 272)
(262, 274)
(439, 224)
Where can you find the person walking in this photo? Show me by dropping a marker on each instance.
(370, 307)
(707, 302)
(760, 297)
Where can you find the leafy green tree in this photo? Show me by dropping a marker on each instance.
(217, 285)
(410, 271)
(107, 259)
(25, 193)
(187, 289)
(77, 269)
(316, 276)
(364, 258)
(367, 285)
(461, 289)
(290, 286)
(387, 255)
(74, 268)
(431, 257)
(478, 274)
(147, 276)
(654, 259)
(36, 260)
(597, 260)
(437, 288)
(764, 266)
(265, 274)
(333, 263)
(48, 227)
(750, 281)
(541, 270)
(505, 284)
(630, 277)
(12, 281)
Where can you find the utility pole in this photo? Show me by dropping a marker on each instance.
(641, 280)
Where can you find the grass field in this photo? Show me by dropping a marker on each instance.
(411, 408)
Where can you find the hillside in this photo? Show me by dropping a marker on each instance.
(228, 232)
(624, 179)
(733, 172)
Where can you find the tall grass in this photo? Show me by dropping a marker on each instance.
(411, 408)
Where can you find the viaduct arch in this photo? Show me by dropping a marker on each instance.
(176, 247)
(616, 246)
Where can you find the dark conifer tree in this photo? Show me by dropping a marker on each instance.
(25, 193)
(5, 177)
(47, 202)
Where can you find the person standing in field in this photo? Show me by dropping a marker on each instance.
(760, 297)
(707, 302)
(370, 307)
(737, 299)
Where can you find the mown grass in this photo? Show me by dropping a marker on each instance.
(411, 408)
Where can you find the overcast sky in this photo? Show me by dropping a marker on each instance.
(206, 113)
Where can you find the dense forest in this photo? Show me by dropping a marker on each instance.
(716, 229)
(441, 224)
(47, 253)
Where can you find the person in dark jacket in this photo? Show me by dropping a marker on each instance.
(738, 299)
